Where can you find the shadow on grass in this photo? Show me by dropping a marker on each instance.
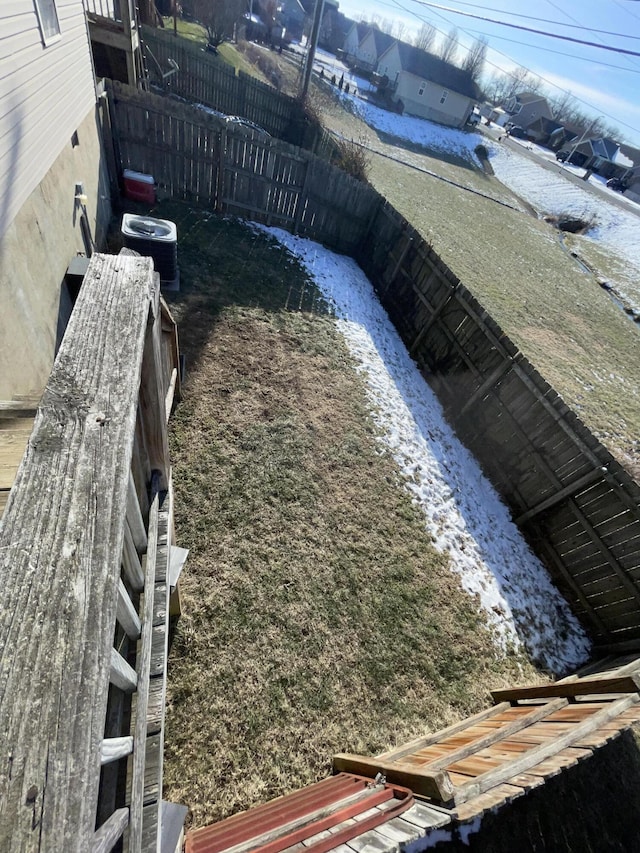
(225, 263)
(436, 154)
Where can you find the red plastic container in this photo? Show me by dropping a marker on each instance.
(139, 187)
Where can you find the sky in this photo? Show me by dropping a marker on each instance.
(606, 83)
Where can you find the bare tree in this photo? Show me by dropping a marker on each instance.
(474, 60)
(449, 47)
(399, 30)
(219, 17)
(386, 26)
(425, 37)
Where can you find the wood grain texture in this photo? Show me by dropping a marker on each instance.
(60, 545)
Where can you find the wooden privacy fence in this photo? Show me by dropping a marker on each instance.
(85, 545)
(578, 508)
(208, 80)
(201, 158)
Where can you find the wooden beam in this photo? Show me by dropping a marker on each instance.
(110, 832)
(427, 740)
(134, 518)
(567, 491)
(437, 785)
(122, 675)
(115, 748)
(126, 613)
(144, 670)
(528, 760)
(502, 733)
(131, 565)
(152, 398)
(571, 689)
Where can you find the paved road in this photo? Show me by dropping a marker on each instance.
(556, 168)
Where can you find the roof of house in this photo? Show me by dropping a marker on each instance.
(604, 147)
(548, 125)
(528, 97)
(430, 67)
(361, 28)
(383, 41)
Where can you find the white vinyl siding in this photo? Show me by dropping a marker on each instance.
(426, 100)
(45, 94)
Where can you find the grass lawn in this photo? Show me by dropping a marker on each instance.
(557, 314)
(317, 616)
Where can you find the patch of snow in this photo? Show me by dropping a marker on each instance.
(549, 193)
(462, 511)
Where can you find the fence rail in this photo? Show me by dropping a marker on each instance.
(576, 505)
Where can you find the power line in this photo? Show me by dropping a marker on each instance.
(423, 20)
(528, 29)
(574, 26)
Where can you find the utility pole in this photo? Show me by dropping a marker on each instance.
(311, 48)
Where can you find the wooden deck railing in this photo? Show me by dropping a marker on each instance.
(85, 545)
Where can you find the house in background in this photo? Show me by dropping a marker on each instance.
(334, 27)
(598, 155)
(541, 129)
(425, 86)
(525, 108)
(372, 46)
(54, 185)
(354, 36)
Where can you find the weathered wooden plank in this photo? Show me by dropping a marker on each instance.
(533, 757)
(69, 504)
(126, 613)
(121, 674)
(419, 743)
(143, 670)
(115, 748)
(584, 687)
(425, 784)
(105, 839)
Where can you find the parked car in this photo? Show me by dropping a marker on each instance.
(516, 131)
(562, 155)
(617, 184)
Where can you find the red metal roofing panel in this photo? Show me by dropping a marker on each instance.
(288, 820)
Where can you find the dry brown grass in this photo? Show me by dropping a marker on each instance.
(317, 615)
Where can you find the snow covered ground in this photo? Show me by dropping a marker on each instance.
(461, 509)
(548, 192)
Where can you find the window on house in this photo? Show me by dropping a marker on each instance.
(48, 20)
(423, 86)
(444, 96)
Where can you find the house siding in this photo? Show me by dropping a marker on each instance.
(45, 95)
(390, 64)
(351, 41)
(454, 112)
(366, 53)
